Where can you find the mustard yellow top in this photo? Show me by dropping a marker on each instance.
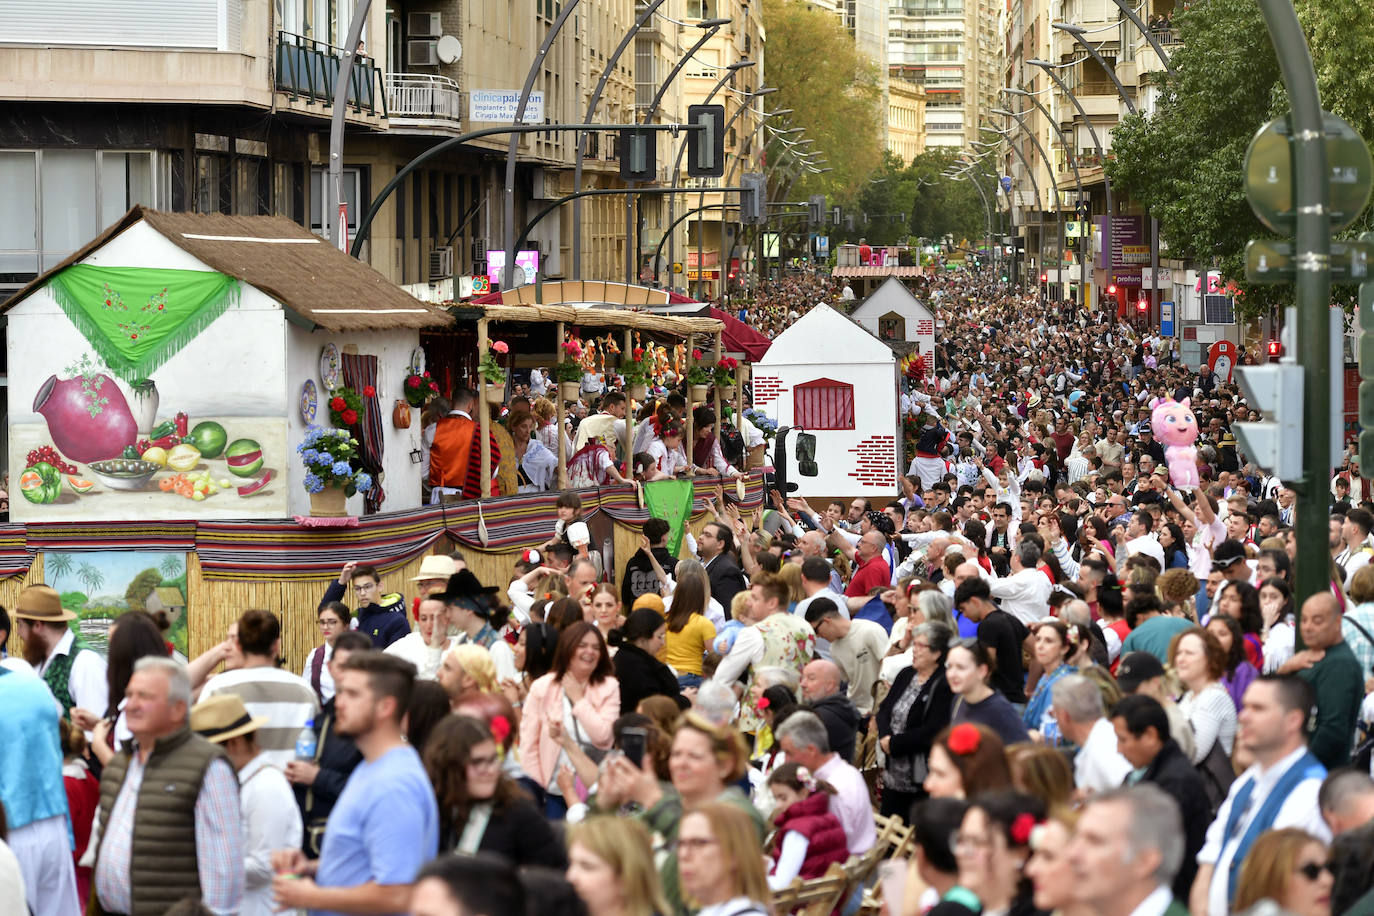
(685, 649)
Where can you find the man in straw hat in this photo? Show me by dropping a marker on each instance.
(74, 673)
(169, 825)
(271, 819)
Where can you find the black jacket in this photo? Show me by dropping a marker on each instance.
(640, 578)
(383, 622)
(929, 714)
(641, 675)
(1352, 855)
(337, 758)
(841, 720)
(726, 579)
(1175, 774)
(519, 832)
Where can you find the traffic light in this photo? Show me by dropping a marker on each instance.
(1142, 305)
(751, 198)
(1275, 445)
(638, 155)
(1111, 289)
(706, 147)
(1275, 351)
(815, 209)
(1044, 277)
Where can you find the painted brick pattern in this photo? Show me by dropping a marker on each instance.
(766, 389)
(875, 462)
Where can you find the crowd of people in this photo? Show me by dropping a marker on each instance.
(775, 306)
(1086, 689)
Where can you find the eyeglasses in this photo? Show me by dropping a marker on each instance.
(1313, 870)
(694, 844)
(482, 763)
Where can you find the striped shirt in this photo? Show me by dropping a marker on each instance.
(286, 699)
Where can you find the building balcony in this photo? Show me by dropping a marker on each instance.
(307, 70)
(423, 100)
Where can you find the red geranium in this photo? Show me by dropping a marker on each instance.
(964, 739)
(696, 353)
(369, 391)
(413, 382)
(638, 353)
(1021, 828)
(350, 417)
(338, 403)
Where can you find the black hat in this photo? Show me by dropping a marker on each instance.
(1136, 668)
(466, 590)
(1227, 554)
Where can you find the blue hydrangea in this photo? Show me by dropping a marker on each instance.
(363, 481)
(313, 483)
(309, 455)
(342, 469)
(323, 460)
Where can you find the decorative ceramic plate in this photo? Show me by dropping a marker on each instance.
(329, 367)
(124, 473)
(309, 401)
(417, 361)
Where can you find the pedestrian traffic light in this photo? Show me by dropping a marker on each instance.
(638, 154)
(706, 147)
(1111, 289)
(751, 198)
(815, 209)
(1044, 277)
(1275, 350)
(1275, 445)
(1142, 305)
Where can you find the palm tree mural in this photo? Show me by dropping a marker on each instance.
(90, 577)
(57, 565)
(171, 566)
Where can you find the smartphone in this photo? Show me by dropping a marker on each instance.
(632, 742)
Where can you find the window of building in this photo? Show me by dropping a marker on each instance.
(701, 9)
(823, 404)
(354, 190)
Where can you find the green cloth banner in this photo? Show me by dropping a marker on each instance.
(137, 318)
(670, 500)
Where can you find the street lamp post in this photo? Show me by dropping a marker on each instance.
(1077, 178)
(1035, 185)
(1101, 155)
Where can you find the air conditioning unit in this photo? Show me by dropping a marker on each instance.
(425, 25)
(424, 53)
(440, 263)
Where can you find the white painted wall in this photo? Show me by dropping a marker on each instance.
(808, 351)
(393, 349)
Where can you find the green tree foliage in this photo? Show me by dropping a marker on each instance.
(141, 587)
(1184, 164)
(75, 601)
(833, 92)
(944, 207)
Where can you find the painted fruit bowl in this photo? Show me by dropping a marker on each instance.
(124, 473)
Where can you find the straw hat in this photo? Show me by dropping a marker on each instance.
(41, 602)
(435, 567)
(223, 716)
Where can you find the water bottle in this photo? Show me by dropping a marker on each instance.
(306, 742)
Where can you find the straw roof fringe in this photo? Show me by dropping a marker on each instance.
(319, 285)
(599, 317)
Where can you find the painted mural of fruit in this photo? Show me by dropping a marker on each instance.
(87, 416)
(244, 457)
(183, 457)
(40, 483)
(210, 438)
(156, 455)
(80, 485)
(249, 489)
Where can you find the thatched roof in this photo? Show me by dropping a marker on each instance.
(319, 285)
(591, 303)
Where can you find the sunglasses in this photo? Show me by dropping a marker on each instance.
(1313, 870)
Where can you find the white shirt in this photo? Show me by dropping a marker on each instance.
(851, 804)
(1154, 905)
(1098, 765)
(823, 645)
(271, 820)
(86, 682)
(326, 679)
(287, 700)
(1025, 594)
(1298, 810)
(413, 649)
(747, 651)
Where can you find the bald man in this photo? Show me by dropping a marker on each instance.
(1329, 665)
(821, 683)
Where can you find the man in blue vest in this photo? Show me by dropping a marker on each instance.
(1278, 790)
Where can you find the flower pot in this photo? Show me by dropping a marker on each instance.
(697, 393)
(569, 391)
(145, 403)
(329, 502)
(83, 429)
(494, 394)
(726, 392)
(639, 392)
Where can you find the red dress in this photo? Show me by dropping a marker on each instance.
(83, 796)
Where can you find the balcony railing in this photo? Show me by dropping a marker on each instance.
(308, 69)
(421, 95)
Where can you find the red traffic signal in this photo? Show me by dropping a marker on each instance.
(1275, 349)
(1044, 277)
(1142, 306)
(1111, 289)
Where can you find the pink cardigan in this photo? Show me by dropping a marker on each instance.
(596, 712)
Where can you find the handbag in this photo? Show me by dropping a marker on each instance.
(313, 836)
(594, 753)
(1217, 775)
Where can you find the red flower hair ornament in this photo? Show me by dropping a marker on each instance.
(762, 704)
(1022, 828)
(500, 730)
(964, 739)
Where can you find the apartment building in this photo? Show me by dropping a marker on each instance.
(225, 106)
(950, 47)
(906, 119)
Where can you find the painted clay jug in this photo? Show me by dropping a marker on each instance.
(88, 417)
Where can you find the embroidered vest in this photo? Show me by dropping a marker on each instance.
(58, 676)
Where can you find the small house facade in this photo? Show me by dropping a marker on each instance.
(893, 315)
(831, 377)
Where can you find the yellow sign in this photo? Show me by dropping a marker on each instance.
(677, 267)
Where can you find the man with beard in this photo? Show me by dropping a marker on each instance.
(385, 825)
(74, 673)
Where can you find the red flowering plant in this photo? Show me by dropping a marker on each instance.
(490, 365)
(636, 368)
(964, 739)
(346, 408)
(418, 388)
(724, 372)
(699, 373)
(571, 367)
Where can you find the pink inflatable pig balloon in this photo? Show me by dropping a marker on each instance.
(1174, 425)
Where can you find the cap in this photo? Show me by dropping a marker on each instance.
(1136, 668)
(1228, 553)
(223, 716)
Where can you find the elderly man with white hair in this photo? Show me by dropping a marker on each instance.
(1125, 852)
(1077, 705)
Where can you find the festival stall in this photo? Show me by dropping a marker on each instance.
(829, 376)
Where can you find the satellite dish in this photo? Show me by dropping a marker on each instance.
(449, 49)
